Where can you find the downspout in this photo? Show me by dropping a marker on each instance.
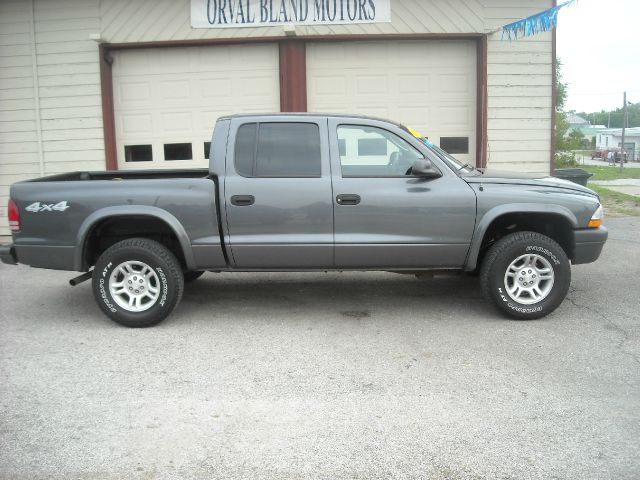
(36, 86)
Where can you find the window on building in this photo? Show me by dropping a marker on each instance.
(177, 151)
(374, 152)
(138, 153)
(455, 145)
(278, 150)
(207, 147)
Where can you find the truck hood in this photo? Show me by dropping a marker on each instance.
(520, 178)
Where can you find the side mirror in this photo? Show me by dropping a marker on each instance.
(424, 168)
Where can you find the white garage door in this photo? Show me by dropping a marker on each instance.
(166, 100)
(429, 86)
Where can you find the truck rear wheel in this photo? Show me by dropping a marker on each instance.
(526, 275)
(137, 282)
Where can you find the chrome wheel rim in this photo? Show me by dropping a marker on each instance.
(529, 279)
(134, 286)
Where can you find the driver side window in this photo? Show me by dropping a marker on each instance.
(374, 152)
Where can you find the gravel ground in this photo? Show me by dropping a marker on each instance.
(352, 375)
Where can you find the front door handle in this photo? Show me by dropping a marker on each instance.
(242, 200)
(348, 199)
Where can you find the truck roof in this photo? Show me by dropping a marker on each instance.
(308, 114)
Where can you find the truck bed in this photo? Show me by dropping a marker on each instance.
(124, 175)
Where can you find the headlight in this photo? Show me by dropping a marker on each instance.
(596, 218)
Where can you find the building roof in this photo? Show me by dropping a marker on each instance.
(590, 131)
(629, 132)
(574, 119)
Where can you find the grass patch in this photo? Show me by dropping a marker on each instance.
(611, 173)
(616, 202)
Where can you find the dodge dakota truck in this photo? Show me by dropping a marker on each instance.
(306, 192)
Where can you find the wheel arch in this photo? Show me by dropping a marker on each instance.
(501, 213)
(123, 212)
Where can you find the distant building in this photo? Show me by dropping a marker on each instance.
(590, 133)
(576, 121)
(611, 138)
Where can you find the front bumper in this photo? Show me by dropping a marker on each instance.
(588, 244)
(8, 254)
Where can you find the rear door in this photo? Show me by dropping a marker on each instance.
(385, 217)
(277, 190)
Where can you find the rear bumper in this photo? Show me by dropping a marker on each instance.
(8, 254)
(588, 244)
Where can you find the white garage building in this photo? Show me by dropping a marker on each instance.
(121, 84)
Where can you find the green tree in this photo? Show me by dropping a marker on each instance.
(562, 124)
(575, 139)
(561, 87)
(602, 117)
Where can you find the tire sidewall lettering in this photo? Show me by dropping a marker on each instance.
(106, 269)
(546, 252)
(518, 308)
(165, 286)
(106, 298)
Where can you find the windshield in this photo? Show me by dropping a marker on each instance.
(450, 160)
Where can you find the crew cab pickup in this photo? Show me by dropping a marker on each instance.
(305, 192)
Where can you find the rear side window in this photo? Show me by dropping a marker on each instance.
(278, 150)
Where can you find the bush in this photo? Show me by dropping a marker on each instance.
(564, 160)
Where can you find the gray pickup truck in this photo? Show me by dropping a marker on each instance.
(305, 192)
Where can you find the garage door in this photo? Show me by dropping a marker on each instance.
(429, 86)
(166, 100)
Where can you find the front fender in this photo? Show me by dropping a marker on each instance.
(127, 211)
(483, 223)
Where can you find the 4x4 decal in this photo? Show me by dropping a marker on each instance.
(37, 207)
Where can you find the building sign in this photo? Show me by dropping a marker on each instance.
(262, 13)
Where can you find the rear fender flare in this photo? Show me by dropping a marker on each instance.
(126, 211)
(487, 219)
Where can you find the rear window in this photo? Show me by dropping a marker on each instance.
(278, 150)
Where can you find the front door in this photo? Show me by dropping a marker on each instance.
(278, 193)
(385, 217)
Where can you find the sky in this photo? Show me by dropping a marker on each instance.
(598, 42)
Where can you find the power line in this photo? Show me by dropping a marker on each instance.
(602, 93)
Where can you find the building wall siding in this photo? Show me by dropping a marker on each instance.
(69, 83)
(18, 133)
(70, 136)
(45, 46)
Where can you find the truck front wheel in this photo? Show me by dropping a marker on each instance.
(137, 282)
(525, 275)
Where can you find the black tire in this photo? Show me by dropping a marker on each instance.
(192, 276)
(507, 250)
(167, 281)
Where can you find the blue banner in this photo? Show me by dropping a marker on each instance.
(540, 22)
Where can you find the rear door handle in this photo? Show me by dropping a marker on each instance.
(348, 199)
(242, 200)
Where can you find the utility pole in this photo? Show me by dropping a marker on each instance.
(624, 124)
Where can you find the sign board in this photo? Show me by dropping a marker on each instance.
(264, 13)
